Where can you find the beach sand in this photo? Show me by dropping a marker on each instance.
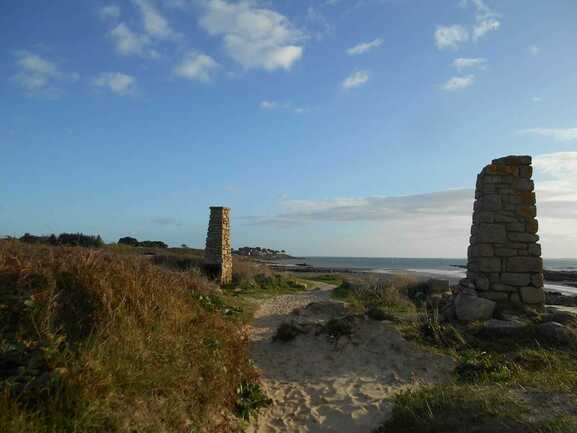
(319, 386)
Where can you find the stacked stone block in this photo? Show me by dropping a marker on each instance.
(504, 258)
(217, 253)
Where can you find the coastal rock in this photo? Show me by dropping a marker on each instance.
(328, 309)
(470, 308)
(560, 316)
(503, 328)
(555, 332)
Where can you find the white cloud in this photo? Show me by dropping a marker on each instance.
(364, 47)
(34, 64)
(254, 37)
(435, 224)
(483, 11)
(154, 23)
(463, 63)
(268, 105)
(450, 37)
(487, 20)
(141, 42)
(484, 27)
(109, 12)
(458, 83)
(287, 105)
(130, 43)
(196, 66)
(37, 75)
(559, 134)
(356, 79)
(116, 82)
(534, 49)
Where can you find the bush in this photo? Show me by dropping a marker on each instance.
(94, 342)
(374, 293)
(254, 278)
(133, 242)
(70, 239)
(433, 331)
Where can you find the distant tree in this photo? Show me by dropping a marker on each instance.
(183, 246)
(30, 239)
(152, 244)
(73, 239)
(133, 242)
(79, 240)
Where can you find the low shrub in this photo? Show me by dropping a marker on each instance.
(470, 409)
(435, 332)
(371, 293)
(94, 342)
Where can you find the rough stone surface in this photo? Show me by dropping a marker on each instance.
(532, 295)
(554, 331)
(470, 308)
(503, 327)
(504, 259)
(217, 253)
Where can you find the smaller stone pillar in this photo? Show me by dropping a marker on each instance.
(217, 254)
(504, 257)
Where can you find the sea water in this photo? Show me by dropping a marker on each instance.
(451, 269)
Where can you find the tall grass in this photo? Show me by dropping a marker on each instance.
(389, 294)
(95, 342)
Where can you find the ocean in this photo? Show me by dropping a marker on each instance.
(451, 269)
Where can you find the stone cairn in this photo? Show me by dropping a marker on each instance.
(217, 253)
(504, 259)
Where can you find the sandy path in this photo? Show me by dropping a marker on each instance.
(319, 387)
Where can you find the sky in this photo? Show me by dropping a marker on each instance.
(329, 127)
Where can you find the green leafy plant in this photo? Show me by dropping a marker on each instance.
(250, 398)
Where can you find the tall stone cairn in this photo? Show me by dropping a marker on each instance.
(504, 258)
(217, 253)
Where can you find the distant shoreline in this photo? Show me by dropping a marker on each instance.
(558, 280)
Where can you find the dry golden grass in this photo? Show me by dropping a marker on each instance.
(103, 343)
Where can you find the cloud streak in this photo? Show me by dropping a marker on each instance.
(196, 66)
(115, 82)
(356, 79)
(459, 83)
(559, 134)
(40, 76)
(464, 63)
(451, 37)
(437, 224)
(364, 47)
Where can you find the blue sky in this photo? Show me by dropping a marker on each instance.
(338, 127)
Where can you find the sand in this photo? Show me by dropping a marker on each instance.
(319, 386)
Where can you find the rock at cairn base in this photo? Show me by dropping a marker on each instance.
(504, 259)
(218, 254)
(469, 308)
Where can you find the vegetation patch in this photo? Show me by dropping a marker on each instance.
(469, 409)
(256, 280)
(92, 341)
(287, 332)
(250, 398)
(338, 327)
